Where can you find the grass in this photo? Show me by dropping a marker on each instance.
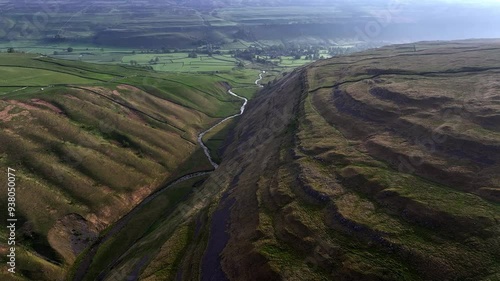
(215, 138)
(424, 201)
(143, 222)
(180, 62)
(247, 92)
(332, 203)
(292, 62)
(166, 263)
(240, 77)
(27, 77)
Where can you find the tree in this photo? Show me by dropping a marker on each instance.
(10, 50)
(70, 49)
(192, 55)
(56, 53)
(157, 59)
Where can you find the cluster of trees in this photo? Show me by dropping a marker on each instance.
(315, 56)
(339, 51)
(154, 61)
(135, 63)
(245, 34)
(162, 50)
(69, 50)
(12, 50)
(245, 55)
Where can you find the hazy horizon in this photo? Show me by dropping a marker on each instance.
(392, 21)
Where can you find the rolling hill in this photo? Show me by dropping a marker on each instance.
(377, 166)
(88, 143)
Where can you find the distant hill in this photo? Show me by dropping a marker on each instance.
(184, 24)
(240, 3)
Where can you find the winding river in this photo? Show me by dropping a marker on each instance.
(200, 136)
(257, 82)
(242, 109)
(87, 257)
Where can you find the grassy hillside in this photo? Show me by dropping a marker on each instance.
(376, 166)
(89, 142)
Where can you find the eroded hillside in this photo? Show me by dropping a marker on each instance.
(377, 166)
(89, 150)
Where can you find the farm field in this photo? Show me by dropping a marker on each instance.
(170, 62)
(27, 77)
(180, 62)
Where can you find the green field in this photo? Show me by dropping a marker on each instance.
(180, 62)
(28, 77)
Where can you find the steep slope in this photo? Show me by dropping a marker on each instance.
(377, 166)
(87, 151)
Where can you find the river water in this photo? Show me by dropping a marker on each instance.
(242, 109)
